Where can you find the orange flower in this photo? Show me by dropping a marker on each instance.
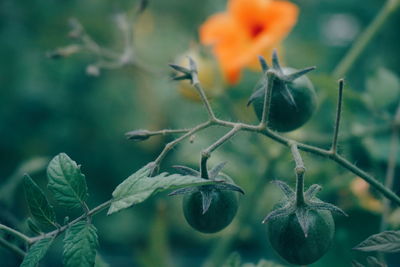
(247, 29)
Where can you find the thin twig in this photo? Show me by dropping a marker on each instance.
(196, 84)
(338, 116)
(206, 153)
(15, 233)
(172, 144)
(12, 247)
(267, 98)
(66, 226)
(299, 170)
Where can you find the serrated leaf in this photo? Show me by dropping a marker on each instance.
(66, 181)
(388, 242)
(139, 186)
(32, 226)
(38, 204)
(36, 252)
(80, 244)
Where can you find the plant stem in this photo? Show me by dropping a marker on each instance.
(300, 169)
(66, 226)
(206, 153)
(366, 36)
(15, 233)
(200, 90)
(172, 144)
(338, 116)
(267, 98)
(12, 247)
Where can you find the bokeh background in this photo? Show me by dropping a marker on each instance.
(51, 104)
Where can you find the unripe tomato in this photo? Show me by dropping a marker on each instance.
(285, 116)
(289, 241)
(222, 210)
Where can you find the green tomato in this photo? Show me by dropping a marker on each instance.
(284, 115)
(289, 241)
(222, 210)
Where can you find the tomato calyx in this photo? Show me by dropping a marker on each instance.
(281, 80)
(291, 205)
(215, 174)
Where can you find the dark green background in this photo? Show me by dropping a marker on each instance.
(51, 106)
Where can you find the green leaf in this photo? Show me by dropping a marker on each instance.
(66, 181)
(33, 227)
(38, 204)
(383, 88)
(388, 242)
(80, 244)
(139, 186)
(36, 252)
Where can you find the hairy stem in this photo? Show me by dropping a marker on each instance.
(15, 233)
(299, 170)
(366, 36)
(172, 144)
(90, 213)
(206, 153)
(267, 98)
(338, 116)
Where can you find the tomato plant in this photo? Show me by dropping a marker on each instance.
(293, 99)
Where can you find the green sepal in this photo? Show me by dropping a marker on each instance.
(183, 170)
(287, 191)
(280, 77)
(312, 191)
(302, 217)
(311, 202)
(213, 174)
(206, 200)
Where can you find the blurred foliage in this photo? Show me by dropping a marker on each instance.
(50, 106)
